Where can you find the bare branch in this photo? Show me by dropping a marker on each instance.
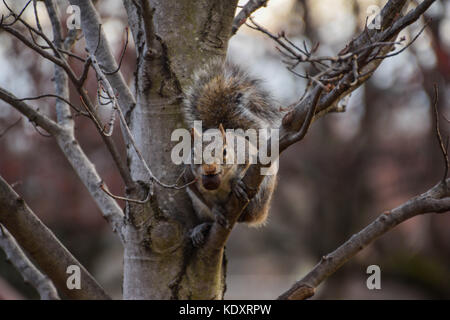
(97, 43)
(42, 246)
(353, 65)
(36, 16)
(63, 113)
(443, 148)
(290, 130)
(109, 142)
(41, 51)
(434, 200)
(406, 46)
(109, 73)
(90, 178)
(67, 141)
(16, 17)
(64, 130)
(81, 164)
(147, 199)
(49, 95)
(34, 116)
(250, 7)
(84, 75)
(43, 285)
(290, 50)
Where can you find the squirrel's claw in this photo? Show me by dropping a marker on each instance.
(220, 218)
(197, 234)
(240, 190)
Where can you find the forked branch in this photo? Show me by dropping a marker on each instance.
(42, 246)
(30, 274)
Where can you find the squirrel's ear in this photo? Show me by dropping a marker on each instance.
(194, 134)
(224, 135)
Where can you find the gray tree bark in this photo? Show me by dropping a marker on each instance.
(180, 36)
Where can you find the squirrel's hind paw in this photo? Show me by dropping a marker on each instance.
(198, 233)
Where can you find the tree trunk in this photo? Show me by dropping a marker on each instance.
(159, 261)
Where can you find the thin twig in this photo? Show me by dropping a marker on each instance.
(102, 186)
(16, 17)
(85, 72)
(121, 56)
(36, 16)
(33, 115)
(406, 46)
(439, 135)
(49, 95)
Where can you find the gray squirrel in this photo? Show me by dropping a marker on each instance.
(223, 96)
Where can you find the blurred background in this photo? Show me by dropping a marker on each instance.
(351, 167)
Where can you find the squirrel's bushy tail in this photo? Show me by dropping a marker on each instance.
(223, 93)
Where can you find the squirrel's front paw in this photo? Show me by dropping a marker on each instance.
(219, 214)
(240, 190)
(197, 234)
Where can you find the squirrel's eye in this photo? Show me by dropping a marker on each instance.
(224, 152)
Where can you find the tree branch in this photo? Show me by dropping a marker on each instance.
(29, 272)
(60, 61)
(78, 159)
(439, 135)
(344, 73)
(64, 130)
(434, 200)
(33, 115)
(98, 45)
(63, 113)
(42, 246)
(250, 7)
(41, 51)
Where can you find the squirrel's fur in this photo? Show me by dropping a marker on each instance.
(224, 96)
(222, 93)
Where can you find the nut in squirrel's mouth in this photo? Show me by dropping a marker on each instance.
(211, 181)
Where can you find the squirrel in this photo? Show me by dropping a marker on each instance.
(223, 96)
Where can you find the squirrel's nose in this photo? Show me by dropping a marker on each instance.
(211, 176)
(209, 169)
(211, 182)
